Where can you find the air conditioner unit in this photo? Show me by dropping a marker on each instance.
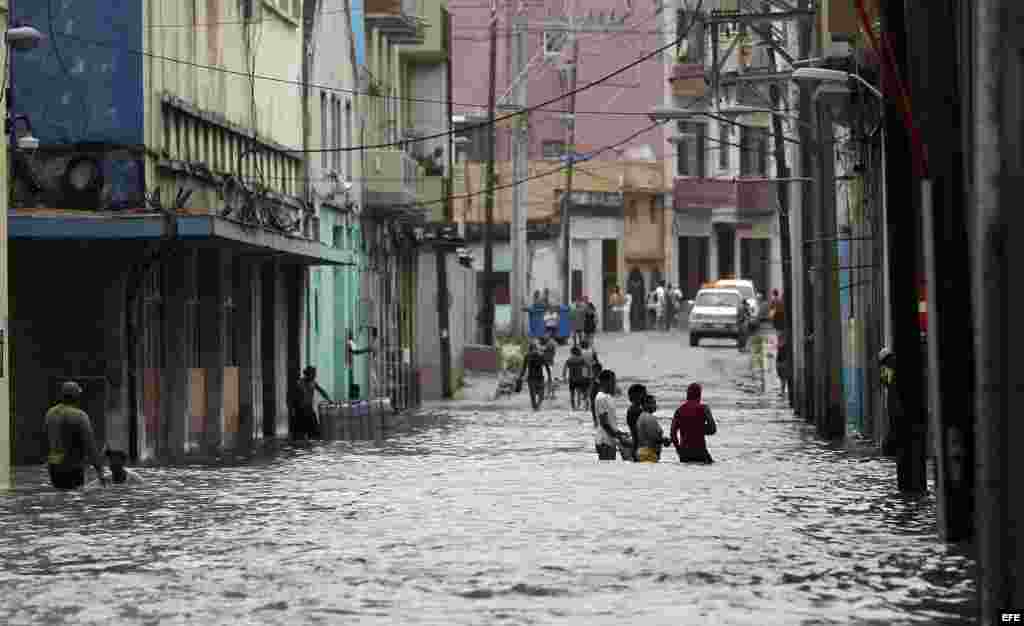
(554, 42)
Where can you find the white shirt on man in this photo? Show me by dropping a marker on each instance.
(604, 404)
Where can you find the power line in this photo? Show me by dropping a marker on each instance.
(253, 76)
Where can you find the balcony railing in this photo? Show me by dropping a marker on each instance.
(745, 197)
(391, 180)
(398, 19)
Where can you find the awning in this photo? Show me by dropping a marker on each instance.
(202, 230)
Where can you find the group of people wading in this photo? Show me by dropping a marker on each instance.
(691, 424)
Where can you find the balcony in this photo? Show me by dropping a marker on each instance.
(741, 197)
(397, 19)
(392, 182)
(433, 47)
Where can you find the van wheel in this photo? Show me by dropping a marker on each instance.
(694, 340)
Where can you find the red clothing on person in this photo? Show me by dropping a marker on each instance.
(688, 426)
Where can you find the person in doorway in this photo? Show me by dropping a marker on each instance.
(119, 474)
(636, 394)
(627, 313)
(615, 302)
(307, 424)
(690, 424)
(579, 383)
(650, 437)
(606, 435)
(534, 366)
(71, 441)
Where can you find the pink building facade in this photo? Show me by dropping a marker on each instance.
(614, 35)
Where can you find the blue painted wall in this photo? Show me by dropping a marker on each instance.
(84, 84)
(359, 31)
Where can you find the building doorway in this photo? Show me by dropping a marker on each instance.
(610, 276)
(638, 309)
(693, 264)
(726, 240)
(754, 261)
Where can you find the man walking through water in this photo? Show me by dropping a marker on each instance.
(534, 366)
(72, 443)
(606, 436)
(306, 422)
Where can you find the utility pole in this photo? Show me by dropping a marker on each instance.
(520, 164)
(950, 326)
(807, 380)
(567, 199)
(904, 228)
(488, 303)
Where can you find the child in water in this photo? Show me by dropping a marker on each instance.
(650, 436)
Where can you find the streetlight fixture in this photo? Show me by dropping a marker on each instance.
(824, 75)
(24, 37)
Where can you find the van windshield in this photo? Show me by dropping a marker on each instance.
(720, 298)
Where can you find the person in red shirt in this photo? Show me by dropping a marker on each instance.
(690, 424)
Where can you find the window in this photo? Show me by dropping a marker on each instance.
(754, 155)
(323, 129)
(553, 149)
(690, 149)
(723, 146)
(348, 139)
(336, 133)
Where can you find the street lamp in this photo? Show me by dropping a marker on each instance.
(24, 37)
(824, 75)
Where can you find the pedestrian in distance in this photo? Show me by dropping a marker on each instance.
(691, 423)
(670, 308)
(307, 424)
(777, 311)
(534, 366)
(649, 438)
(579, 384)
(71, 441)
(784, 363)
(606, 435)
(627, 313)
(636, 394)
(589, 321)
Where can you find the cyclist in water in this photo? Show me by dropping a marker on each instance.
(534, 366)
(71, 439)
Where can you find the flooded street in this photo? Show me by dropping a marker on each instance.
(491, 513)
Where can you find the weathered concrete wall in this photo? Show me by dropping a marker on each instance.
(462, 285)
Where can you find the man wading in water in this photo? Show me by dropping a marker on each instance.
(606, 436)
(72, 443)
(534, 366)
(691, 423)
(307, 426)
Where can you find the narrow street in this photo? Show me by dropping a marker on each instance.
(487, 512)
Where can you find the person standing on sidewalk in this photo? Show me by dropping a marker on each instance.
(777, 312)
(606, 435)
